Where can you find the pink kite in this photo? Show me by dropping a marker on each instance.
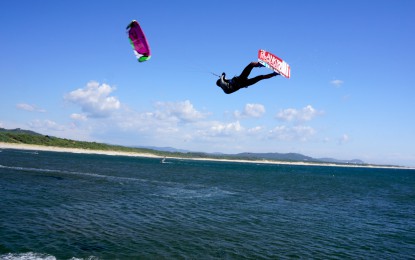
(138, 41)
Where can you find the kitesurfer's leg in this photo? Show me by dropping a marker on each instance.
(245, 73)
(254, 80)
(267, 76)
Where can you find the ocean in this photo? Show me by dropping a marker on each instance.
(57, 205)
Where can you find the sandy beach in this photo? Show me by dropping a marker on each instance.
(149, 155)
(70, 150)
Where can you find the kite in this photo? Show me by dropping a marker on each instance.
(138, 41)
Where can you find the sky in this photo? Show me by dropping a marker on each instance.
(68, 70)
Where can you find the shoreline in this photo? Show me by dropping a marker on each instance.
(33, 147)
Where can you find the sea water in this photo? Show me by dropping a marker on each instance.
(83, 206)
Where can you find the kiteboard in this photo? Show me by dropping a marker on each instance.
(274, 63)
(138, 41)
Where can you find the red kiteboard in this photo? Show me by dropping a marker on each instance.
(271, 61)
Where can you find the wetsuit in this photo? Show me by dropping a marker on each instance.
(242, 81)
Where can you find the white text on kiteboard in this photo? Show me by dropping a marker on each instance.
(274, 62)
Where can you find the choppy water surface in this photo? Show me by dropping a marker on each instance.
(63, 206)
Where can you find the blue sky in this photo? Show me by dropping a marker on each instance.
(68, 70)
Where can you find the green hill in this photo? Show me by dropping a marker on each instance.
(20, 136)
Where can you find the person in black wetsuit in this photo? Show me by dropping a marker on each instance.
(236, 83)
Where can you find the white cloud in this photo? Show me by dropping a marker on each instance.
(177, 111)
(45, 125)
(347, 97)
(255, 130)
(30, 108)
(95, 99)
(165, 118)
(70, 131)
(177, 124)
(226, 129)
(337, 82)
(343, 139)
(305, 114)
(295, 133)
(251, 110)
(218, 129)
(78, 117)
(288, 114)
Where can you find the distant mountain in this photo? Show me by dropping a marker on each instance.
(164, 149)
(295, 157)
(277, 156)
(292, 157)
(331, 160)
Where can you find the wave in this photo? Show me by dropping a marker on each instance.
(25, 151)
(168, 189)
(27, 256)
(37, 256)
(194, 192)
(43, 170)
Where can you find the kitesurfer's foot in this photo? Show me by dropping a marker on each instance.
(222, 77)
(222, 82)
(268, 76)
(258, 65)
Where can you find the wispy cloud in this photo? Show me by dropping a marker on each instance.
(178, 111)
(225, 129)
(164, 120)
(343, 139)
(30, 108)
(298, 115)
(294, 133)
(337, 82)
(251, 110)
(45, 125)
(78, 117)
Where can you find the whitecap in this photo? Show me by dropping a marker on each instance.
(27, 256)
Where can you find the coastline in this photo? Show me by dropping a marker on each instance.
(33, 147)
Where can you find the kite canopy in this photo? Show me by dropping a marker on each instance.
(138, 41)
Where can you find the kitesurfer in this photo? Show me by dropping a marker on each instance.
(231, 85)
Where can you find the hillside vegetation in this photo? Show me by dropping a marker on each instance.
(20, 136)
